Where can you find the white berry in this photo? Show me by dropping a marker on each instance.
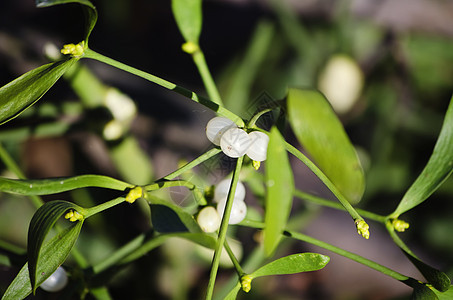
(56, 282)
(258, 149)
(216, 127)
(223, 187)
(209, 219)
(238, 211)
(235, 142)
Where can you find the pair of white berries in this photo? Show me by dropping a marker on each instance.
(235, 142)
(55, 282)
(210, 218)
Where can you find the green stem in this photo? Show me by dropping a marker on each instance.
(354, 214)
(168, 85)
(202, 158)
(332, 204)
(211, 88)
(120, 254)
(234, 260)
(347, 254)
(342, 252)
(223, 228)
(397, 239)
(101, 207)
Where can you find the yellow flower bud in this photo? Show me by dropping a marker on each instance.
(73, 216)
(256, 164)
(400, 225)
(246, 283)
(134, 194)
(362, 228)
(190, 47)
(74, 50)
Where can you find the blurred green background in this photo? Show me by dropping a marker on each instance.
(401, 51)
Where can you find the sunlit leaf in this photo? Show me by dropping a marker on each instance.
(59, 185)
(295, 263)
(447, 295)
(280, 186)
(322, 135)
(52, 255)
(189, 18)
(24, 91)
(437, 170)
(41, 223)
(89, 9)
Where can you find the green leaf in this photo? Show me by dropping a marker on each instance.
(41, 223)
(59, 185)
(89, 9)
(322, 135)
(422, 292)
(24, 91)
(447, 295)
(280, 186)
(439, 167)
(439, 280)
(295, 263)
(168, 217)
(189, 18)
(53, 254)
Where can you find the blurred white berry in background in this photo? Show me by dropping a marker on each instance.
(56, 282)
(341, 82)
(208, 219)
(216, 127)
(235, 142)
(258, 148)
(238, 211)
(223, 187)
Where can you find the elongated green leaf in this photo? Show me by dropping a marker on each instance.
(448, 295)
(189, 18)
(295, 263)
(439, 280)
(41, 223)
(422, 292)
(439, 167)
(90, 11)
(320, 132)
(24, 91)
(280, 186)
(53, 254)
(59, 185)
(168, 217)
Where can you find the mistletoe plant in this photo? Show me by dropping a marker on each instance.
(318, 130)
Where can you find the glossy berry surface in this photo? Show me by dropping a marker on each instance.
(223, 187)
(208, 219)
(216, 127)
(235, 142)
(258, 148)
(56, 282)
(238, 211)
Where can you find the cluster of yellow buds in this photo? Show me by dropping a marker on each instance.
(74, 50)
(134, 194)
(73, 216)
(246, 283)
(363, 228)
(400, 225)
